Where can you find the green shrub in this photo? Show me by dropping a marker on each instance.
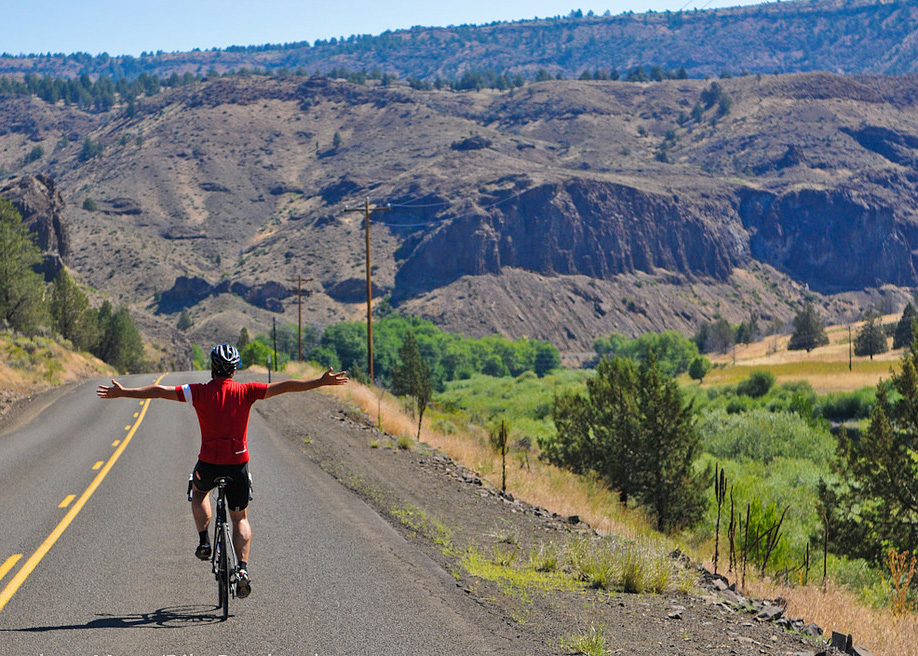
(762, 436)
(757, 385)
(845, 406)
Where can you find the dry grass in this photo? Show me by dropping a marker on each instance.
(824, 368)
(28, 365)
(837, 609)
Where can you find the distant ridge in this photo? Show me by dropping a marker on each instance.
(847, 37)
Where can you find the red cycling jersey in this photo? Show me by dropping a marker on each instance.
(223, 408)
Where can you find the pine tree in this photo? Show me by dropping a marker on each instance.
(412, 377)
(243, 339)
(903, 334)
(70, 311)
(120, 343)
(22, 306)
(633, 430)
(809, 330)
(871, 338)
(184, 321)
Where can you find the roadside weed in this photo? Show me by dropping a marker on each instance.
(594, 562)
(545, 558)
(593, 643)
(420, 523)
(505, 554)
(645, 568)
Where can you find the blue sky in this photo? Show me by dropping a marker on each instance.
(131, 26)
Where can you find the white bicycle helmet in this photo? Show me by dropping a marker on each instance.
(224, 360)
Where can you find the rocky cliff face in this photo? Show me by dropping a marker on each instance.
(42, 209)
(579, 227)
(834, 240)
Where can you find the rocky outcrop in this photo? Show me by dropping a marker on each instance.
(188, 291)
(834, 240)
(42, 208)
(354, 290)
(580, 226)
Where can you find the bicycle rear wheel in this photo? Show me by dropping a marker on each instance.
(225, 570)
(222, 570)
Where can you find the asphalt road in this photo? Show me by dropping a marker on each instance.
(113, 571)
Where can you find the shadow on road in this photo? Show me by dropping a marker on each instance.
(177, 617)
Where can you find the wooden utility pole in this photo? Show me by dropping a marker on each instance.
(366, 209)
(299, 280)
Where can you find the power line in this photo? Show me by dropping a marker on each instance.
(449, 218)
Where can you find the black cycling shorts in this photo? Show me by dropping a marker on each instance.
(238, 492)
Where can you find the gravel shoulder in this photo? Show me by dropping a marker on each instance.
(444, 510)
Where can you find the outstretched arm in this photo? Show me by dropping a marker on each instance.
(116, 391)
(284, 386)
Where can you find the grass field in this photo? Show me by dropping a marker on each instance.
(830, 368)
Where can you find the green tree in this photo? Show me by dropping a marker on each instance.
(22, 304)
(748, 331)
(673, 351)
(809, 330)
(546, 358)
(873, 506)
(699, 368)
(633, 430)
(120, 343)
(903, 334)
(348, 341)
(184, 321)
(757, 385)
(871, 338)
(90, 149)
(243, 340)
(412, 376)
(256, 353)
(70, 312)
(715, 337)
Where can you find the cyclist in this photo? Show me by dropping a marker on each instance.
(222, 406)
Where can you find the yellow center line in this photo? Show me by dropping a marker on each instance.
(16, 582)
(116, 442)
(97, 465)
(9, 564)
(66, 501)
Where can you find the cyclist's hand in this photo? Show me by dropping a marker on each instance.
(114, 391)
(332, 378)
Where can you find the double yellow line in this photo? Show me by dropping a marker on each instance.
(16, 582)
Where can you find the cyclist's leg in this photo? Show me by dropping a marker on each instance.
(242, 533)
(237, 497)
(200, 509)
(202, 483)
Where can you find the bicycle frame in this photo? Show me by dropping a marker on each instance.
(223, 555)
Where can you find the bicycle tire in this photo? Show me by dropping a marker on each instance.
(223, 580)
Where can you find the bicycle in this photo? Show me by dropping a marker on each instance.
(223, 554)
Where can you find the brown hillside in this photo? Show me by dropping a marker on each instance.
(562, 211)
